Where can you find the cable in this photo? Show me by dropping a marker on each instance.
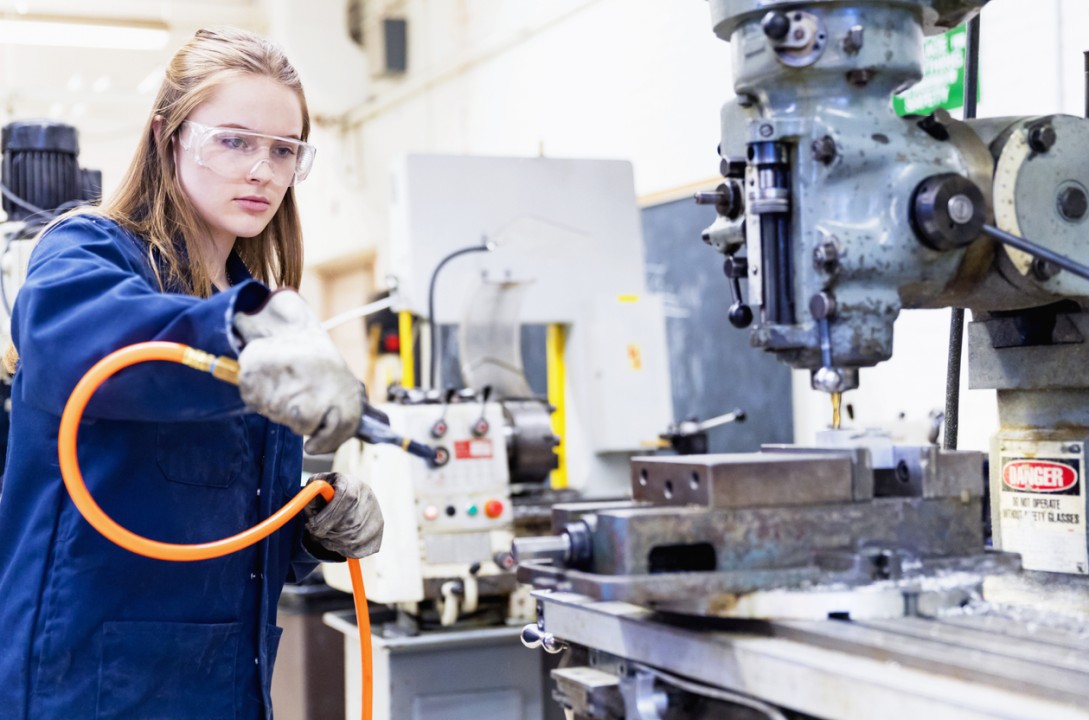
(431, 325)
(225, 369)
(36, 220)
(3, 285)
(956, 319)
(359, 312)
(29, 207)
(716, 693)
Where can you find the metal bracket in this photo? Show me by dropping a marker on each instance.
(641, 700)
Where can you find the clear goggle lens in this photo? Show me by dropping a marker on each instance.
(234, 153)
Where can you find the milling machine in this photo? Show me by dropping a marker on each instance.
(852, 580)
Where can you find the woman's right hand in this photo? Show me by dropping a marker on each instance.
(291, 373)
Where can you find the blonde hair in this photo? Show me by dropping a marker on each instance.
(150, 201)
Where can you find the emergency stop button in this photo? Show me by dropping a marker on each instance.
(493, 508)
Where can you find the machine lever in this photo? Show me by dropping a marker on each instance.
(439, 428)
(533, 637)
(1037, 251)
(374, 428)
(740, 314)
(481, 425)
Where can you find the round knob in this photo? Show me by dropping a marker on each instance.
(1073, 203)
(948, 211)
(776, 25)
(531, 636)
(493, 508)
(822, 306)
(740, 315)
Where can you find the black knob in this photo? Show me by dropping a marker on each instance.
(1073, 203)
(1041, 137)
(948, 211)
(776, 25)
(740, 315)
(736, 267)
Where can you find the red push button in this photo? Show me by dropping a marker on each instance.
(493, 508)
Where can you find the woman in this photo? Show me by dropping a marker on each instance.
(203, 222)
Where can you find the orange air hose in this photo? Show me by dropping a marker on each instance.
(225, 369)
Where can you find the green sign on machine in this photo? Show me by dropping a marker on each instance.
(942, 85)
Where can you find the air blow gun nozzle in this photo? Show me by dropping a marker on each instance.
(373, 424)
(374, 428)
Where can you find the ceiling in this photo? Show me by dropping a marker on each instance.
(98, 88)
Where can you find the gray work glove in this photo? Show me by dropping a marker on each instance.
(351, 523)
(291, 373)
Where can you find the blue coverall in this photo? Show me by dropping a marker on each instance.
(94, 631)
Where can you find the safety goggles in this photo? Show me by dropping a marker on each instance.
(236, 154)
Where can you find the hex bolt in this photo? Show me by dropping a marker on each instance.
(826, 254)
(1043, 270)
(1042, 137)
(824, 149)
(903, 473)
(852, 44)
(861, 77)
(1073, 203)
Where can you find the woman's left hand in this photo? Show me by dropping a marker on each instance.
(351, 524)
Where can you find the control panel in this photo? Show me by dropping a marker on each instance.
(445, 520)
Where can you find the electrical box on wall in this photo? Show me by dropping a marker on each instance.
(395, 37)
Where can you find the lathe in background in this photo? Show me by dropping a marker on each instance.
(554, 245)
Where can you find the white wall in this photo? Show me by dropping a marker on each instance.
(630, 79)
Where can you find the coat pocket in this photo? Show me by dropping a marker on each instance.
(208, 453)
(274, 634)
(172, 671)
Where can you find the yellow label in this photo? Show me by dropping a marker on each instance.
(627, 298)
(635, 356)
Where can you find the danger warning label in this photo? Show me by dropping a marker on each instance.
(1042, 513)
(473, 449)
(1041, 476)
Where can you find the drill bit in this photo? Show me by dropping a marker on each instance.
(837, 401)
